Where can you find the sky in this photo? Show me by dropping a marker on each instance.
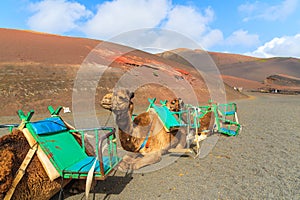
(266, 28)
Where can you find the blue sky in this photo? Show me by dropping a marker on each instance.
(258, 28)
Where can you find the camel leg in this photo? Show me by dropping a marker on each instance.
(198, 139)
(130, 157)
(128, 160)
(182, 139)
(181, 147)
(149, 158)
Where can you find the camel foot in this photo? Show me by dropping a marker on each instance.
(123, 166)
(74, 191)
(180, 150)
(200, 138)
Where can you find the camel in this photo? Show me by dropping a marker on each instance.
(206, 121)
(145, 137)
(35, 184)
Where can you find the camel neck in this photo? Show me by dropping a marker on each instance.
(123, 120)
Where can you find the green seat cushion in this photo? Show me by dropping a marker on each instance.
(64, 152)
(166, 116)
(62, 149)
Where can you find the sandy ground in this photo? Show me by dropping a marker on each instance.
(260, 163)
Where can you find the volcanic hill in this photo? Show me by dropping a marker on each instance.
(40, 69)
(250, 73)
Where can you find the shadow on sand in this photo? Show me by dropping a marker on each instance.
(112, 185)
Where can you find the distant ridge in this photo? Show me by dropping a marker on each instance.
(22, 46)
(219, 58)
(239, 70)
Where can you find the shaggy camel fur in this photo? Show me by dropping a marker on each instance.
(35, 184)
(145, 136)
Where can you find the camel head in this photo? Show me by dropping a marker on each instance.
(175, 105)
(118, 100)
(106, 101)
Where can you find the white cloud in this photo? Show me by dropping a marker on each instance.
(155, 40)
(248, 8)
(56, 16)
(287, 46)
(265, 11)
(212, 38)
(242, 38)
(118, 16)
(192, 23)
(188, 21)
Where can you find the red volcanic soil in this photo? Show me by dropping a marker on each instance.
(227, 58)
(219, 59)
(25, 46)
(40, 69)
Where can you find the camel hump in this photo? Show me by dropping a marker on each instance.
(142, 119)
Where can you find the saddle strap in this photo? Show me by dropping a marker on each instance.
(151, 131)
(146, 142)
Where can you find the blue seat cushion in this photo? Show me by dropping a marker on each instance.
(49, 126)
(230, 112)
(228, 131)
(85, 165)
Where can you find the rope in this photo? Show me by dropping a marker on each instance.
(104, 147)
(61, 192)
(108, 118)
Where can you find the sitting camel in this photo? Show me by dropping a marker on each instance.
(145, 136)
(205, 122)
(35, 184)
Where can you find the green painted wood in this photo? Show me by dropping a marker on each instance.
(54, 112)
(165, 115)
(62, 149)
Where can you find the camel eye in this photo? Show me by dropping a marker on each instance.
(122, 98)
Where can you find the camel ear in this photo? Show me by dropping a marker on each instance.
(131, 95)
(181, 103)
